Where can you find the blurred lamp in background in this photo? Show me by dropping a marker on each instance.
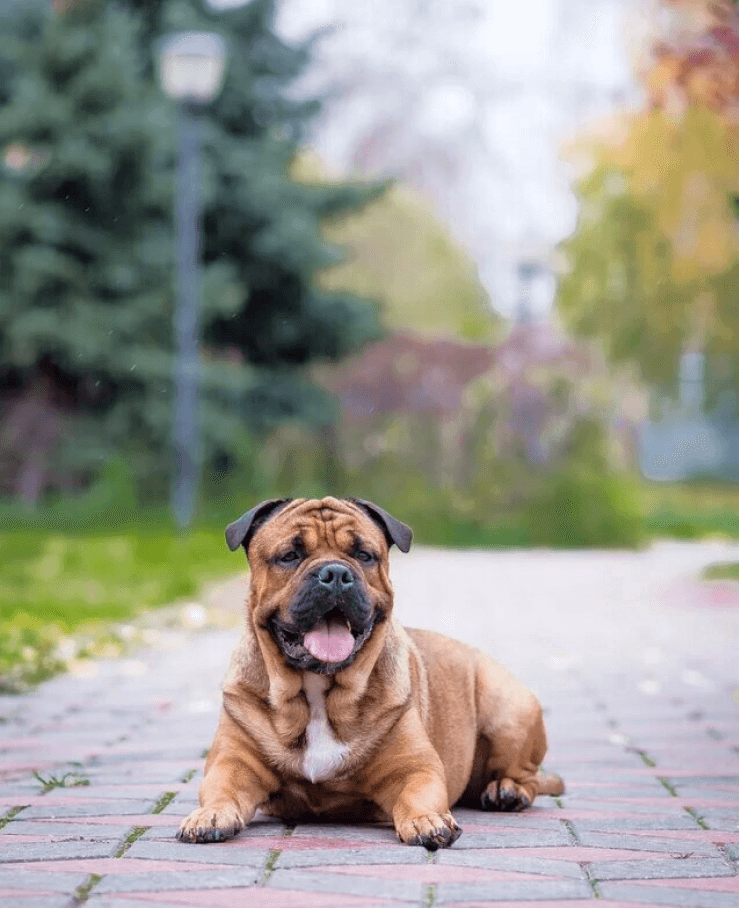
(535, 292)
(191, 70)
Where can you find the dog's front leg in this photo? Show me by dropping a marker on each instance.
(407, 781)
(236, 782)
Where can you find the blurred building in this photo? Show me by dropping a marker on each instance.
(684, 442)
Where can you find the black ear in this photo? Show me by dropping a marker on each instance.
(240, 531)
(395, 531)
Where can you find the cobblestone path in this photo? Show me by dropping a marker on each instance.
(636, 662)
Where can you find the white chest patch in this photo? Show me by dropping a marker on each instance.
(324, 755)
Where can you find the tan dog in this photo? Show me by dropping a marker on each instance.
(332, 709)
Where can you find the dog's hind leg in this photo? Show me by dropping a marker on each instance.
(514, 742)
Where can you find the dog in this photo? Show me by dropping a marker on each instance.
(332, 710)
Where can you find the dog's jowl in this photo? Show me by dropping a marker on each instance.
(331, 709)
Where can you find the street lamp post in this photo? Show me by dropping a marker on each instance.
(191, 69)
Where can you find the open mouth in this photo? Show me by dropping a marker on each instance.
(327, 646)
(330, 639)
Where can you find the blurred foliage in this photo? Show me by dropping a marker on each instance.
(692, 510)
(586, 508)
(693, 56)
(496, 470)
(721, 571)
(400, 255)
(651, 268)
(86, 242)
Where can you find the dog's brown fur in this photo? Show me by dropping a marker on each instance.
(428, 721)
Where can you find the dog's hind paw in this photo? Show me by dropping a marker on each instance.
(211, 824)
(507, 796)
(434, 830)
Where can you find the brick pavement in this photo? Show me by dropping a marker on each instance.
(637, 666)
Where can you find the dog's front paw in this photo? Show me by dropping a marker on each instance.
(507, 796)
(433, 830)
(211, 824)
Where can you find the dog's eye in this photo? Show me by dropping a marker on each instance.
(288, 557)
(364, 556)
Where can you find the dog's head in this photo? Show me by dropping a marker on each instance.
(319, 580)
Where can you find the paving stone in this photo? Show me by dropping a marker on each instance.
(18, 899)
(39, 881)
(100, 808)
(368, 887)
(638, 842)
(718, 884)
(547, 903)
(727, 820)
(539, 817)
(434, 874)
(180, 879)
(120, 792)
(53, 850)
(352, 856)
(524, 891)
(651, 869)
(131, 901)
(704, 781)
(678, 896)
(121, 866)
(344, 832)
(521, 862)
(168, 825)
(236, 898)
(511, 839)
(610, 823)
(214, 853)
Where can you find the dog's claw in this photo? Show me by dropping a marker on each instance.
(431, 832)
(209, 825)
(505, 799)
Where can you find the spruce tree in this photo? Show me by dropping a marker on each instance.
(86, 242)
(85, 249)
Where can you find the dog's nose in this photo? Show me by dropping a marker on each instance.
(335, 577)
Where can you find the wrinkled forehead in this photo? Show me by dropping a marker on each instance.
(326, 524)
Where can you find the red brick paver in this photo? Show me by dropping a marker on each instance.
(635, 662)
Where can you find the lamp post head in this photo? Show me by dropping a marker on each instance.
(192, 66)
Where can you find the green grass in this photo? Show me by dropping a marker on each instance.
(54, 583)
(68, 780)
(721, 571)
(692, 510)
(65, 569)
(70, 579)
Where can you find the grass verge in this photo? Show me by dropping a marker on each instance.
(55, 585)
(64, 574)
(721, 571)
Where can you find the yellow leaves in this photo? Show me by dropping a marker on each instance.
(654, 263)
(686, 172)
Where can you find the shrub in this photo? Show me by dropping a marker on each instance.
(583, 508)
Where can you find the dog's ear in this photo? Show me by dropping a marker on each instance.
(395, 531)
(241, 531)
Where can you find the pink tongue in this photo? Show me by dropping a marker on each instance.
(330, 641)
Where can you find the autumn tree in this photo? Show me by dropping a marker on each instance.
(651, 268)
